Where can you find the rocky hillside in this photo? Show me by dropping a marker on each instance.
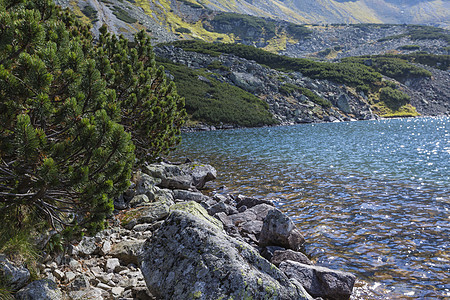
(261, 23)
(293, 97)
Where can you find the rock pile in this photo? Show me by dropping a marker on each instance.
(169, 241)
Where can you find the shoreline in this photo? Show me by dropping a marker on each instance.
(164, 211)
(205, 127)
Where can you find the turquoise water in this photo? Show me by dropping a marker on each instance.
(371, 197)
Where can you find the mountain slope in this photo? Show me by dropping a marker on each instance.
(436, 12)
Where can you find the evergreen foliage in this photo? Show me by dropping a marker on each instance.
(70, 113)
(393, 98)
(391, 66)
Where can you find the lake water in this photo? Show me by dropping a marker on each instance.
(371, 197)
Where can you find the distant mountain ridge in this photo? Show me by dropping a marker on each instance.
(430, 12)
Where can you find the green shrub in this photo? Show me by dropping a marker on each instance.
(183, 30)
(122, 15)
(214, 102)
(393, 98)
(90, 12)
(391, 66)
(409, 47)
(217, 65)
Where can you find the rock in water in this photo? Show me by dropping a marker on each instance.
(279, 230)
(191, 257)
(320, 281)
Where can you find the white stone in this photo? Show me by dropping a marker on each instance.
(70, 276)
(103, 286)
(106, 247)
(117, 291)
(111, 264)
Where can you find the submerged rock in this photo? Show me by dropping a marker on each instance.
(191, 256)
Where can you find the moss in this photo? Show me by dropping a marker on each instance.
(197, 210)
(196, 295)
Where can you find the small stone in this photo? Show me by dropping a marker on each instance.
(70, 276)
(80, 282)
(74, 265)
(111, 264)
(106, 247)
(58, 274)
(116, 292)
(103, 286)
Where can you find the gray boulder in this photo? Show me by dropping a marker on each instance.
(87, 246)
(186, 176)
(148, 213)
(279, 230)
(189, 196)
(191, 257)
(127, 251)
(282, 255)
(249, 202)
(320, 281)
(145, 185)
(44, 289)
(16, 276)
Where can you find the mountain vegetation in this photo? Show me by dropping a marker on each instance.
(353, 74)
(224, 103)
(74, 118)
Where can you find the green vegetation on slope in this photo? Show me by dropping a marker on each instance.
(419, 32)
(391, 66)
(350, 73)
(214, 102)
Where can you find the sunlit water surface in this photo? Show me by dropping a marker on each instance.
(371, 197)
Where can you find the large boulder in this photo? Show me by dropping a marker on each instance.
(185, 176)
(44, 289)
(279, 230)
(320, 281)
(16, 276)
(191, 257)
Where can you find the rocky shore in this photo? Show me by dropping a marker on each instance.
(167, 240)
